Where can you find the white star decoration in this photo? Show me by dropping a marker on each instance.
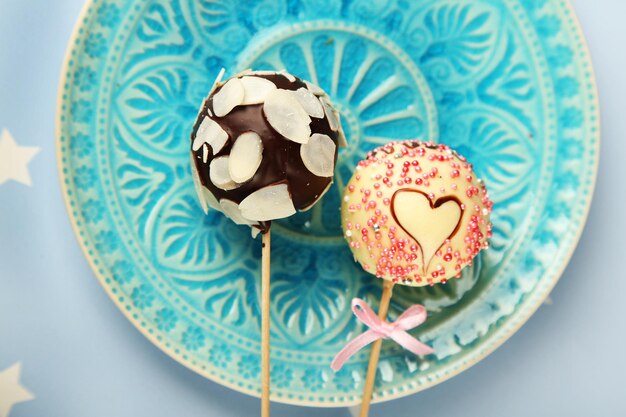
(14, 159)
(11, 392)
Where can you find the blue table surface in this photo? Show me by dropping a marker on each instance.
(81, 357)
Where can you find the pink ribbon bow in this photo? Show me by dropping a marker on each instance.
(381, 329)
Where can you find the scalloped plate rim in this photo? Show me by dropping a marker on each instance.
(527, 308)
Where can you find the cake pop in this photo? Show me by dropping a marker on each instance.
(263, 147)
(414, 213)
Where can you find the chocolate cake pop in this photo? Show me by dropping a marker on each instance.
(264, 146)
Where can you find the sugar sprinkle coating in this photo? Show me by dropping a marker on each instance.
(414, 213)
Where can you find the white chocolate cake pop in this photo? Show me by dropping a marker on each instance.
(414, 213)
(264, 146)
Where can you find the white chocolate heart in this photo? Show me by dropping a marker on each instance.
(430, 223)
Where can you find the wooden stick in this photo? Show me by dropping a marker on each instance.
(373, 364)
(265, 326)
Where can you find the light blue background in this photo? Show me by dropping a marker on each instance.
(81, 357)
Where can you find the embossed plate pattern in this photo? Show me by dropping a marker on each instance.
(508, 83)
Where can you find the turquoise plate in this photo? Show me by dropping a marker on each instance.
(508, 83)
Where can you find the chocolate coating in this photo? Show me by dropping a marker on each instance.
(281, 161)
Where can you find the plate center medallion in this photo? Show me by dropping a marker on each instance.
(380, 92)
